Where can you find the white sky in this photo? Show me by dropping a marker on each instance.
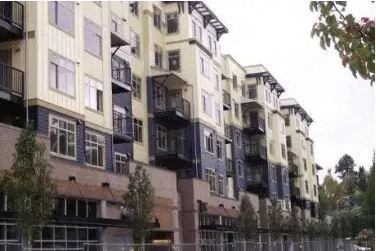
(277, 34)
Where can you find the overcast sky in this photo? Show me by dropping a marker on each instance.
(277, 35)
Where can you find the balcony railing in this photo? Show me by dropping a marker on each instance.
(254, 123)
(226, 100)
(122, 126)
(12, 13)
(121, 73)
(173, 102)
(11, 80)
(229, 166)
(173, 145)
(255, 151)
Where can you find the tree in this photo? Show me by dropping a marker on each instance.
(345, 166)
(368, 205)
(330, 191)
(293, 224)
(247, 220)
(28, 184)
(138, 201)
(362, 179)
(275, 217)
(353, 39)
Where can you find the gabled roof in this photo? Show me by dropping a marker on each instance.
(208, 16)
(292, 103)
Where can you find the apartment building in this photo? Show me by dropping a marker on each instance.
(112, 85)
(303, 168)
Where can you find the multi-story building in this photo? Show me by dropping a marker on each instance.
(304, 182)
(112, 85)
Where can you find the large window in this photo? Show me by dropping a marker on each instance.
(94, 149)
(136, 84)
(206, 102)
(62, 75)
(197, 31)
(135, 43)
(172, 20)
(161, 138)
(121, 163)
(133, 7)
(158, 56)
(219, 149)
(209, 141)
(93, 94)
(93, 37)
(221, 185)
(210, 177)
(157, 17)
(61, 14)
(137, 130)
(174, 60)
(62, 137)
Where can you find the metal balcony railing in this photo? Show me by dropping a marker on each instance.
(173, 102)
(254, 122)
(11, 80)
(226, 98)
(122, 123)
(121, 71)
(174, 145)
(12, 13)
(256, 151)
(227, 131)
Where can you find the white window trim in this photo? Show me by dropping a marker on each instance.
(75, 137)
(104, 151)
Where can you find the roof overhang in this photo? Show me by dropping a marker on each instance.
(268, 78)
(208, 16)
(162, 79)
(298, 109)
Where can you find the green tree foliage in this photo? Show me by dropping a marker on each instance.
(330, 191)
(293, 223)
(368, 205)
(345, 167)
(247, 219)
(353, 39)
(275, 217)
(362, 179)
(28, 183)
(138, 201)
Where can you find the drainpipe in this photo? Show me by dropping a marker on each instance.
(26, 92)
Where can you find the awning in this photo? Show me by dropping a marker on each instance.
(170, 77)
(213, 210)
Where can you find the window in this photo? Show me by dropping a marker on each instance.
(285, 177)
(136, 85)
(197, 31)
(210, 177)
(158, 56)
(306, 186)
(161, 138)
(62, 137)
(206, 102)
(174, 60)
(288, 141)
(172, 20)
(133, 7)
(314, 190)
(204, 67)
(93, 38)
(287, 121)
(243, 90)
(116, 24)
(238, 139)
(61, 14)
(305, 164)
(313, 169)
(137, 130)
(119, 116)
(235, 82)
(94, 149)
(240, 168)
(283, 151)
(62, 76)
(135, 43)
(209, 141)
(212, 45)
(274, 173)
(218, 113)
(236, 110)
(121, 163)
(216, 79)
(258, 81)
(219, 150)
(252, 92)
(221, 185)
(157, 17)
(160, 97)
(93, 94)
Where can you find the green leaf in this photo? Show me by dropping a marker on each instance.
(322, 43)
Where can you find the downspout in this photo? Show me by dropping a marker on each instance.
(26, 63)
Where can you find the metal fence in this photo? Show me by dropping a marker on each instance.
(317, 245)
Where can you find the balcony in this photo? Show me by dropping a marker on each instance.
(228, 138)
(255, 152)
(11, 20)
(253, 124)
(11, 83)
(121, 75)
(172, 110)
(173, 152)
(229, 167)
(122, 126)
(117, 39)
(257, 180)
(226, 101)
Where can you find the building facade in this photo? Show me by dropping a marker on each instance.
(112, 85)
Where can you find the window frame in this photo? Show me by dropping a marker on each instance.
(210, 173)
(93, 87)
(123, 168)
(169, 19)
(98, 144)
(60, 65)
(170, 59)
(54, 21)
(139, 128)
(219, 150)
(209, 141)
(157, 17)
(94, 30)
(161, 131)
(136, 86)
(58, 153)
